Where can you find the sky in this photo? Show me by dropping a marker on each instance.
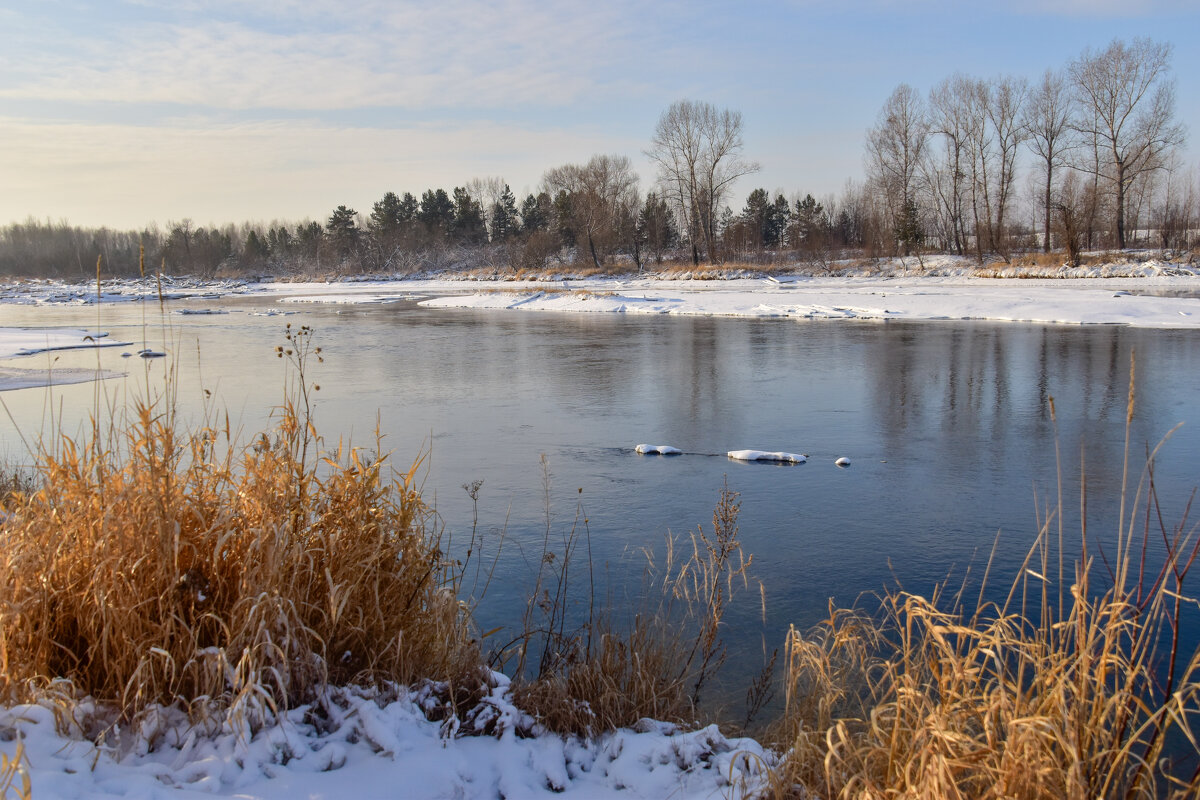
(138, 112)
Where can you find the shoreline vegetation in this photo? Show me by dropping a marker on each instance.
(166, 587)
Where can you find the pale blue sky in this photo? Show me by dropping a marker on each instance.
(127, 113)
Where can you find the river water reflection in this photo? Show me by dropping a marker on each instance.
(947, 425)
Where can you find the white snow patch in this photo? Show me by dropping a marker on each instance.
(843, 462)
(362, 744)
(659, 449)
(764, 455)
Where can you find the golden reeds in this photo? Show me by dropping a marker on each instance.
(163, 567)
(1073, 687)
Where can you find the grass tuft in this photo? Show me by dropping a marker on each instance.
(155, 566)
(1075, 686)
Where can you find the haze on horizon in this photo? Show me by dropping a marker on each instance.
(137, 112)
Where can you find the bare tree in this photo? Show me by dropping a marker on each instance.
(600, 196)
(1004, 100)
(1045, 119)
(697, 148)
(1127, 113)
(896, 147)
(953, 120)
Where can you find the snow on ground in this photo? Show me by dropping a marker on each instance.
(370, 746)
(945, 288)
(1113, 301)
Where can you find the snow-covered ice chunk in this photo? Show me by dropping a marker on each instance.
(657, 449)
(148, 353)
(763, 455)
(843, 462)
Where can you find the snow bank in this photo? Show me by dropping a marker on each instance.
(1083, 301)
(763, 455)
(364, 744)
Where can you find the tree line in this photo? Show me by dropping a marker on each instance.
(942, 174)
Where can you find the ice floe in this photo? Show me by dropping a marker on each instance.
(764, 455)
(843, 462)
(657, 449)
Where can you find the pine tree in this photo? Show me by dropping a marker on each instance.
(756, 214)
(342, 229)
(468, 226)
(385, 215)
(810, 220)
(436, 212)
(536, 213)
(778, 216)
(505, 220)
(657, 225)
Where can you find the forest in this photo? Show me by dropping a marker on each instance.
(1088, 157)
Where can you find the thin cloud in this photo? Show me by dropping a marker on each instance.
(442, 55)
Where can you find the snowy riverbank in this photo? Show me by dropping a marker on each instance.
(371, 746)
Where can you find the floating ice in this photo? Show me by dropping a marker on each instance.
(762, 455)
(200, 311)
(657, 449)
(151, 353)
(843, 462)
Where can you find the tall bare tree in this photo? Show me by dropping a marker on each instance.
(1127, 109)
(697, 148)
(952, 120)
(1004, 100)
(1045, 118)
(896, 148)
(599, 195)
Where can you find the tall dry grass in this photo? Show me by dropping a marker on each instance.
(1074, 686)
(154, 565)
(608, 673)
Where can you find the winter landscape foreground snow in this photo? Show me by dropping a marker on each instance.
(372, 745)
(368, 745)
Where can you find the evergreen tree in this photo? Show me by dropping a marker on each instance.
(436, 212)
(810, 220)
(408, 209)
(757, 214)
(536, 213)
(342, 229)
(309, 236)
(385, 216)
(778, 216)
(254, 249)
(657, 226)
(468, 227)
(909, 234)
(505, 221)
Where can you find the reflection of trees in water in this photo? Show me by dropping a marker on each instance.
(984, 382)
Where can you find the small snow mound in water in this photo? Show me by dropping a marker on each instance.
(843, 462)
(659, 449)
(762, 455)
(151, 354)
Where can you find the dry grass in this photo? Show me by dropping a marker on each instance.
(604, 675)
(1073, 687)
(153, 566)
(14, 778)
